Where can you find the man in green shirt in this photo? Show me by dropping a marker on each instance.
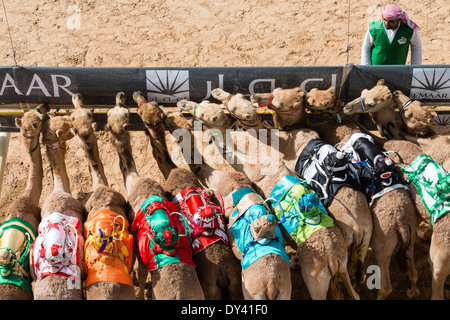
(387, 40)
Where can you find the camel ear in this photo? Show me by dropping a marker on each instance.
(18, 122)
(58, 132)
(107, 127)
(331, 90)
(397, 93)
(388, 97)
(380, 82)
(94, 126)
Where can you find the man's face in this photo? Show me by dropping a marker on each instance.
(391, 24)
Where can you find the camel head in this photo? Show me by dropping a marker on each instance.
(417, 118)
(280, 100)
(320, 99)
(150, 113)
(31, 123)
(237, 105)
(372, 100)
(57, 129)
(119, 116)
(210, 114)
(82, 118)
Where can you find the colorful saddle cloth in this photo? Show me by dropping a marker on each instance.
(204, 218)
(162, 237)
(374, 169)
(16, 237)
(108, 248)
(432, 183)
(303, 213)
(254, 228)
(55, 251)
(325, 168)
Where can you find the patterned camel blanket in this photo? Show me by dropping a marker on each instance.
(254, 228)
(302, 212)
(432, 183)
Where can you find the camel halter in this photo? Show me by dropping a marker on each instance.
(119, 105)
(405, 106)
(269, 106)
(141, 103)
(362, 105)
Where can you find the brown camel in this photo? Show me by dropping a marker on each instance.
(107, 268)
(23, 212)
(440, 239)
(217, 268)
(58, 253)
(287, 104)
(173, 280)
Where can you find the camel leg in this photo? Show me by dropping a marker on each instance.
(383, 257)
(317, 284)
(142, 279)
(440, 269)
(412, 292)
(343, 274)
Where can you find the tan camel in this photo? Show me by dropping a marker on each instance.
(217, 268)
(287, 104)
(414, 123)
(173, 280)
(240, 109)
(107, 262)
(58, 253)
(23, 215)
(440, 239)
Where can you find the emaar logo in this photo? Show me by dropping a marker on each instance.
(430, 83)
(167, 86)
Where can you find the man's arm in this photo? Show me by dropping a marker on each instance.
(366, 50)
(416, 48)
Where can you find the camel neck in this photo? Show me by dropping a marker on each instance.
(94, 163)
(56, 155)
(33, 189)
(126, 161)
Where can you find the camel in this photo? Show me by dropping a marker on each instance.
(57, 254)
(287, 104)
(240, 109)
(393, 220)
(413, 123)
(24, 213)
(171, 281)
(439, 248)
(108, 263)
(217, 268)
